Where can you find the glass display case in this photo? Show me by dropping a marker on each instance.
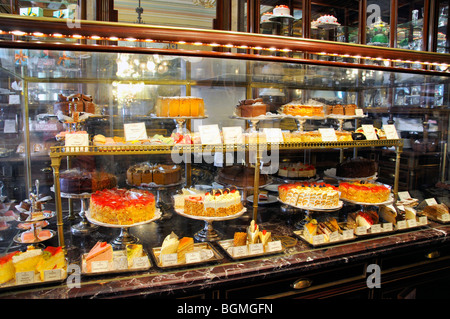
(74, 102)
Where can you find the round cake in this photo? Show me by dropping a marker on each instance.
(296, 108)
(240, 176)
(216, 203)
(76, 181)
(327, 19)
(281, 10)
(180, 106)
(159, 174)
(315, 195)
(296, 170)
(365, 193)
(266, 17)
(122, 206)
(251, 108)
(356, 167)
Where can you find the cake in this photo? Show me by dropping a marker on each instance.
(265, 237)
(326, 19)
(266, 17)
(325, 228)
(77, 181)
(121, 206)
(310, 228)
(297, 108)
(365, 193)
(187, 106)
(133, 251)
(314, 195)
(216, 203)
(74, 103)
(253, 233)
(251, 108)
(186, 245)
(27, 261)
(52, 258)
(7, 270)
(239, 239)
(296, 170)
(102, 251)
(435, 211)
(281, 10)
(170, 244)
(356, 167)
(240, 176)
(146, 173)
(29, 236)
(366, 218)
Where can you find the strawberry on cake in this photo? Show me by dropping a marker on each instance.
(122, 206)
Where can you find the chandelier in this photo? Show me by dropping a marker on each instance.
(205, 3)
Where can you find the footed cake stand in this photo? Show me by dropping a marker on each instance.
(208, 233)
(84, 226)
(124, 238)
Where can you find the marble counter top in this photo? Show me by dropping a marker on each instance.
(164, 282)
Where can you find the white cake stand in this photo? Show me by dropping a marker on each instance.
(208, 233)
(124, 238)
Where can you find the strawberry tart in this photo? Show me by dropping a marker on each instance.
(122, 207)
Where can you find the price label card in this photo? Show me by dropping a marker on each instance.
(255, 249)
(210, 134)
(77, 140)
(404, 195)
(387, 226)
(169, 259)
(52, 274)
(423, 220)
(359, 112)
(232, 135)
(240, 251)
(347, 234)
(369, 132)
(411, 223)
(140, 262)
(193, 257)
(390, 131)
(273, 135)
(334, 236)
(328, 134)
(135, 131)
(375, 228)
(401, 224)
(24, 277)
(274, 246)
(361, 230)
(100, 266)
(431, 201)
(445, 217)
(10, 126)
(120, 263)
(14, 99)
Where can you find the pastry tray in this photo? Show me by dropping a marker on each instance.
(441, 221)
(316, 209)
(341, 239)
(207, 254)
(119, 264)
(36, 281)
(227, 245)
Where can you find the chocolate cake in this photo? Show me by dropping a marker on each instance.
(251, 108)
(160, 174)
(356, 167)
(240, 176)
(76, 181)
(74, 103)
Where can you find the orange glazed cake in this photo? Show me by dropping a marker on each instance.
(121, 206)
(7, 270)
(365, 193)
(52, 258)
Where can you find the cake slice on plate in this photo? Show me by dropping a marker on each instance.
(27, 261)
(102, 251)
(133, 251)
(52, 258)
(186, 245)
(7, 270)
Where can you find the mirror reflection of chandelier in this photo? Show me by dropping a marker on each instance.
(205, 3)
(133, 66)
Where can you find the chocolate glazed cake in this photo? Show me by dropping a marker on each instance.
(240, 176)
(77, 181)
(356, 167)
(160, 174)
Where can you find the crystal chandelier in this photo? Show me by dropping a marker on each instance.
(205, 3)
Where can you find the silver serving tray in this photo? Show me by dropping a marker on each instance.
(228, 243)
(111, 265)
(299, 234)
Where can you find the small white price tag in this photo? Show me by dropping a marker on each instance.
(120, 263)
(100, 266)
(375, 228)
(423, 220)
(52, 274)
(334, 236)
(369, 132)
(347, 234)
(140, 262)
(361, 230)
(10, 126)
(169, 259)
(25, 277)
(274, 246)
(240, 251)
(273, 135)
(387, 226)
(77, 141)
(431, 201)
(14, 99)
(210, 134)
(328, 134)
(401, 224)
(193, 257)
(404, 195)
(445, 217)
(232, 135)
(411, 223)
(135, 131)
(390, 131)
(255, 249)
(318, 239)
(359, 112)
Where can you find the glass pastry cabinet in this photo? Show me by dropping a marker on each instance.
(91, 98)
